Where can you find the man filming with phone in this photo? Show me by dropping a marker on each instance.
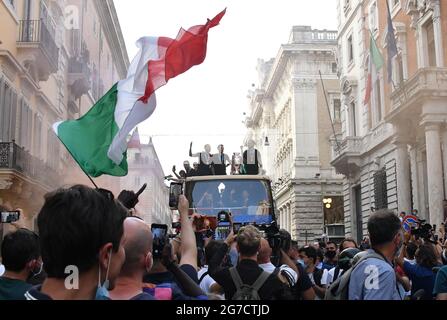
(246, 281)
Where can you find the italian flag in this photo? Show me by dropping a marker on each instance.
(98, 140)
(375, 63)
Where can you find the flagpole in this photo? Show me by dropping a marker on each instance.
(329, 111)
(88, 176)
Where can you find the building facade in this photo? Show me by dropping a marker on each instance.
(56, 59)
(292, 125)
(393, 150)
(145, 167)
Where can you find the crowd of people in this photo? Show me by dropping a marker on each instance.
(248, 162)
(90, 247)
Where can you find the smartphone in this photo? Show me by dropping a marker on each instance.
(222, 231)
(175, 191)
(237, 227)
(10, 216)
(159, 234)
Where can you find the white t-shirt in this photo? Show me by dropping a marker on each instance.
(2, 269)
(328, 277)
(270, 268)
(207, 281)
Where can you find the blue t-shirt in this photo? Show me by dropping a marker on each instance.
(421, 278)
(441, 282)
(373, 279)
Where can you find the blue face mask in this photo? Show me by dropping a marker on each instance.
(102, 292)
(301, 262)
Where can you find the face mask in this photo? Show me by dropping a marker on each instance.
(330, 254)
(102, 292)
(301, 262)
(39, 271)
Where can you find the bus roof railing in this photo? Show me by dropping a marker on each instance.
(230, 177)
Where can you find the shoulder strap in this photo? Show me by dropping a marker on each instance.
(236, 278)
(369, 256)
(261, 280)
(203, 276)
(336, 273)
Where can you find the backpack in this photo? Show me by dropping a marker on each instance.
(338, 290)
(245, 291)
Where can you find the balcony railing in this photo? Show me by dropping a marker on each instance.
(37, 32)
(351, 145)
(346, 155)
(426, 82)
(16, 158)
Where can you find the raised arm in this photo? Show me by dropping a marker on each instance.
(188, 285)
(189, 245)
(193, 155)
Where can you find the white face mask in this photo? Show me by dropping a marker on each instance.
(36, 273)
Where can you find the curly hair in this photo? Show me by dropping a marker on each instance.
(426, 256)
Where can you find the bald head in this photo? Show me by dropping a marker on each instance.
(137, 245)
(265, 252)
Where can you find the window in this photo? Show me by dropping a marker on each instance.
(373, 18)
(38, 136)
(8, 112)
(350, 50)
(334, 67)
(337, 109)
(377, 100)
(53, 151)
(380, 190)
(353, 120)
(346, 6)
(26, 122)
(398, 70)
(393, 3)
(431, 44)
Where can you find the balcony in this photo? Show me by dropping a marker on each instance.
(78, 80)
(38, 48)
(23, 166)
(346, 155)
(407, 100)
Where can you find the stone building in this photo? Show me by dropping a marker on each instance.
(56, 59)
(145, 167)
(393, 150)
(291, 124)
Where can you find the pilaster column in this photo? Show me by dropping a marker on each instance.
(403, 177)
(444, 156)
(414, 177)
(437, 27)
(435, 175)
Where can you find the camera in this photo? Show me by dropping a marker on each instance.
(223, 216)
(424, 231)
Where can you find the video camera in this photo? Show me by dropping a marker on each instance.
(277, 240)
(424, 231)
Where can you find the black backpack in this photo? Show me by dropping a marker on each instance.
(245, 291)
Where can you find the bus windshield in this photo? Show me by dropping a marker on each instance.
(249, 201)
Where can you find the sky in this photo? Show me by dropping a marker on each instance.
(206, 105)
